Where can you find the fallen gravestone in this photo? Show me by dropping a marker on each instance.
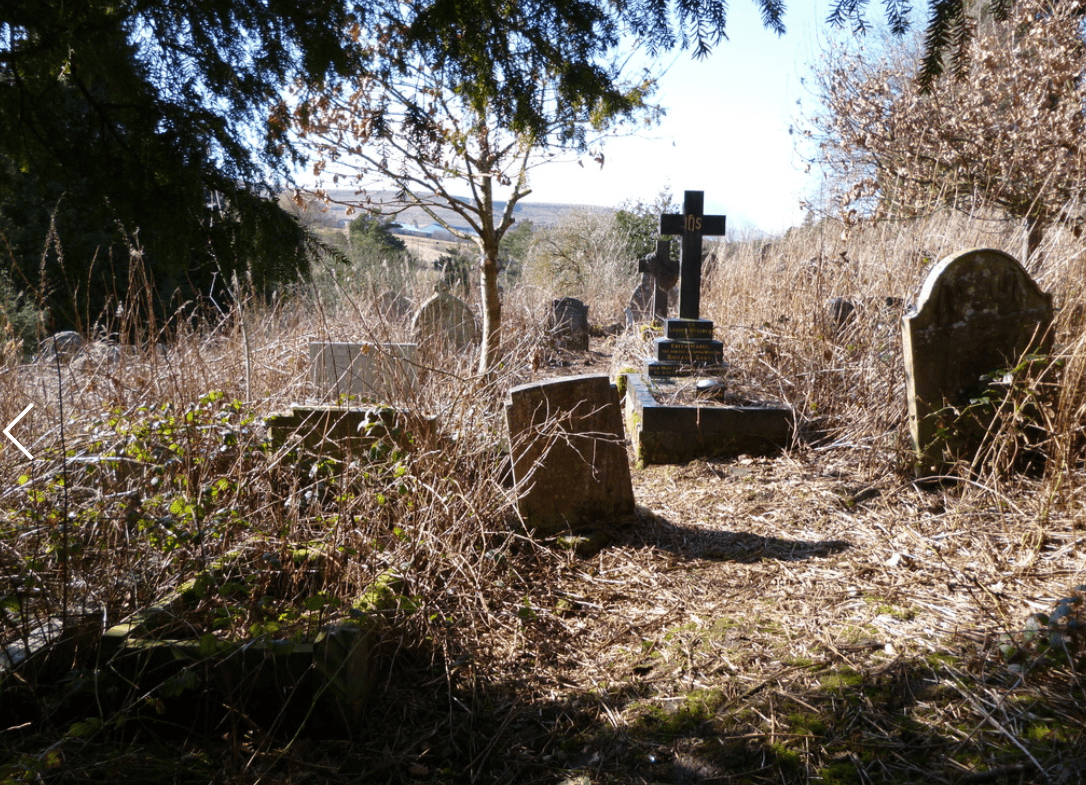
(365, 371)
(978, 313)
(569, 324)
(569, 455)
(445, 320)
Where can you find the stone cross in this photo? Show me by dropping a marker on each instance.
(663, 274)
(692, 224)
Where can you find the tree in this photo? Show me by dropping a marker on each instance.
(162, 120)
(515, 247)
(379, 253)
(1007, 133)
(416, 127)
(137, 131)
(455, 269)
(585, 254)
(639, 223)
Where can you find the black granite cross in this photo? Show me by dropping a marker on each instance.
(692, 225)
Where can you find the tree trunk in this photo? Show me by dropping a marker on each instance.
(492, 311)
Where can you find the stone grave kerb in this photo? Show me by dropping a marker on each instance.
(978, 312)
(692, 225)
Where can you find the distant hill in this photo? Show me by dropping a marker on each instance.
(540, 213)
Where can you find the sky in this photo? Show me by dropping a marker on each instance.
(725, 132)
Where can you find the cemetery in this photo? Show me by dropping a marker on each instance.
(817, 518)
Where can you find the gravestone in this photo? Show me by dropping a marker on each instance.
(978, 312)
(688, 346)
(659, 274)
(63, 346)
(847, 316)
(842, 315)
(367, 371)
(569, 455)
(569, 324)
(445, 320)
(393, 305)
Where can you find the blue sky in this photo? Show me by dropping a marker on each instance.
(725, 132)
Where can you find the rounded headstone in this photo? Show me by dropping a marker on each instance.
(978, 312)
(445, 320)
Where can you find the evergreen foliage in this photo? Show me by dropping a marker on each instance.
(156, 129)
(378, 254)
(137, 131)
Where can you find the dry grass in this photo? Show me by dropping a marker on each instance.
(813, 616)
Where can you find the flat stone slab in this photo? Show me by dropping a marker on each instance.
(199, 677)
(365, 371)
(682, 433)
(343, 430)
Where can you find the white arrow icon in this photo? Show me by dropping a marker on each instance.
(12, 424)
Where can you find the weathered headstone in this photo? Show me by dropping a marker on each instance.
(569, 453)
(688, 344)
(842, 314)
(444, 319)
(847, 316)
(659, 274)
(978, 312)
(365, 370)
(393, 305)
(63, 346)
(569, 324)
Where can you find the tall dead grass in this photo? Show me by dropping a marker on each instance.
(151, 463)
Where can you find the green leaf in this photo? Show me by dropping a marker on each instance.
(85, 728)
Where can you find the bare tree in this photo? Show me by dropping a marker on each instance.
(411, 126)
(1008, 132)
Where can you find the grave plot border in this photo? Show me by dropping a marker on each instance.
(664, 434)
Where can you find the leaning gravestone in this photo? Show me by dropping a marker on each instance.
(978, 312)
(445, 319)
(569, 454)
(366, 371)
(569, 324)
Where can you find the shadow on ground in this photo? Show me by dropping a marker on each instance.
(652, 530)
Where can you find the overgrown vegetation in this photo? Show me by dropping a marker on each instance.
(781, 619)
(1002, 131)
(186, 594)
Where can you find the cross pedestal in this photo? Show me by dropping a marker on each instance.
(688, 346)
